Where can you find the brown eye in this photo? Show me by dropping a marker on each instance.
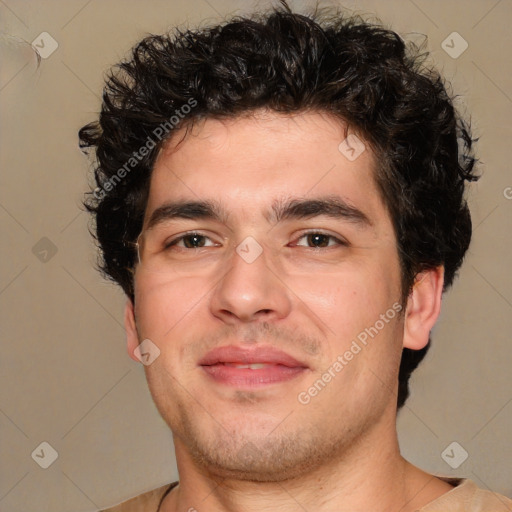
(194, 241)
(318, 240)
(191, 241)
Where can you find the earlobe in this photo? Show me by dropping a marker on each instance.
(132, 339)
(423, 307)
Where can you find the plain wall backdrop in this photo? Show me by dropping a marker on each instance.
(66, 377)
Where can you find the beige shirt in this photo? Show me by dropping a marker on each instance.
(466, 497)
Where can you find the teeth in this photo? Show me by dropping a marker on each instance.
(254, 366)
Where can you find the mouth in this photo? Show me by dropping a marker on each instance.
(251, 367)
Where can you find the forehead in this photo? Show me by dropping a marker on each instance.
(252, 161)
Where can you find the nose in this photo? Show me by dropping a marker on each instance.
(249, 291)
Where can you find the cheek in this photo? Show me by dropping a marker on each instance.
(163, 302)
(347, 301)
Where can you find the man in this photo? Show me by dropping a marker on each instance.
(282, 200)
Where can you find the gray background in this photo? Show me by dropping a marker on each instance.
(66, 377)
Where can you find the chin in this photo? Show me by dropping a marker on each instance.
(258, 469)
(261, 459)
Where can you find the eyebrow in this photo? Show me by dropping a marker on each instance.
(281, 210)
(186, 210)
(329, 206)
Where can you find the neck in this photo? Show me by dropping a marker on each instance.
(370, 475)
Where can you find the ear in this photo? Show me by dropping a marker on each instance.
(132, 338)
(423, 307)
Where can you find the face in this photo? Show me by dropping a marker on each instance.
(270, 283)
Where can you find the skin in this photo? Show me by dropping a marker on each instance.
(261, 449)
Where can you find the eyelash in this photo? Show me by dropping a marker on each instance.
(340, 242)
(176, 241)
(180, 238)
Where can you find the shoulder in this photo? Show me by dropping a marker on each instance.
(147, 502)
(487, 500)
(468, 497)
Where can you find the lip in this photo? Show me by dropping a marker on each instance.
(250, 355)
(277, 366)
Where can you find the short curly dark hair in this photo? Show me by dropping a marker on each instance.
(359, 72)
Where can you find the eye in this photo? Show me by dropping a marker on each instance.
(191, 241)
(318, 240)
